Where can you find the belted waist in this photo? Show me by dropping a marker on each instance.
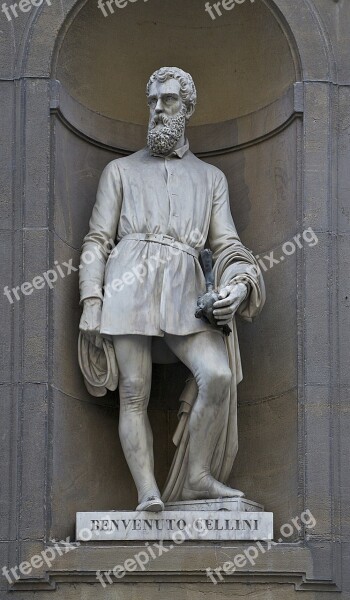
(160, 238)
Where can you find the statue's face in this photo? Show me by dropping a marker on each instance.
(165, 99)
(167, 116)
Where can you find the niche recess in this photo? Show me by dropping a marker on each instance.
(248, 123)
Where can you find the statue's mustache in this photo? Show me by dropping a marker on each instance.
(160, 120)
(166, 121)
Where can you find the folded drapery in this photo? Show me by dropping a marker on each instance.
(98, 364)
(235, 264)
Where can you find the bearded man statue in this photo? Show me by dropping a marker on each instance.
(161, 206)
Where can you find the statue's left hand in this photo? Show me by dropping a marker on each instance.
(90, 321)
(230, 297)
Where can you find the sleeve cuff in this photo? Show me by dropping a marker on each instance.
(242, 279)
(95, 294)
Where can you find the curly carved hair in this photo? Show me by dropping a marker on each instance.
(188, 90)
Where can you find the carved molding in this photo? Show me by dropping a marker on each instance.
(206, 140)
(283, 564)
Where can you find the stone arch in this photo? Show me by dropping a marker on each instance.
(48, 24)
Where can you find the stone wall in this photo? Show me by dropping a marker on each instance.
(72, 97)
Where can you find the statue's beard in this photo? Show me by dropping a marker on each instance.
(162, 140)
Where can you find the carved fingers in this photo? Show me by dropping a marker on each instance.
(230, 297)
(90, 322)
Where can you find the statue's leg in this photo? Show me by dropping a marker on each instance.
(206, 356)
(133, 354)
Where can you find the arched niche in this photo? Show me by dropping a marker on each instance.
(248, 124)
(253, 133)
(111, 81)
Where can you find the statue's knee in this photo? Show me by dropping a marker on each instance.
(133, 394)
(216, 382)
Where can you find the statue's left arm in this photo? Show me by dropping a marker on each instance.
(97, 247)
(238, 275)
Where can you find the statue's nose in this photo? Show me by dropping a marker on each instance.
(159, 107)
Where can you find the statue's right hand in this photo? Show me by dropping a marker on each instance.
(90, 322)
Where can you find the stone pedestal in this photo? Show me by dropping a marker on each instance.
(240, 504)
(219, 520)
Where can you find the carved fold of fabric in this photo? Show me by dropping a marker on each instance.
(98, 365)
(239, 264)
(235, 262)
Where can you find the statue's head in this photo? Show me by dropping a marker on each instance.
(171, 97)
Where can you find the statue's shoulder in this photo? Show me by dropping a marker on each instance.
(208, 168)
(126, 161)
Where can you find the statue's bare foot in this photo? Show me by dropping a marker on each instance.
(209, 488)
(151, 501)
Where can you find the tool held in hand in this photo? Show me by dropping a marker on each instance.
(205, 303)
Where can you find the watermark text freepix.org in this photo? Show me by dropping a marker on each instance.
(225, 4)
(22, 5)
(268, 261)
(112, 4)
(151, 552)
(37, 561)
(251, 554)
(49, 277)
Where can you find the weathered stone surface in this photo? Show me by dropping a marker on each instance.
(239, 504)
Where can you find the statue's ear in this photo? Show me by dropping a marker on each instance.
(189, 111)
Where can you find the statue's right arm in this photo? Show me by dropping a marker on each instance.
(97, 246)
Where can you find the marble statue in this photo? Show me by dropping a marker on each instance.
(161, 205)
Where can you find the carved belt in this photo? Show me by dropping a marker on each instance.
(160, 238)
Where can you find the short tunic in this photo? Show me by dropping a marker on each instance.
(149, 288)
